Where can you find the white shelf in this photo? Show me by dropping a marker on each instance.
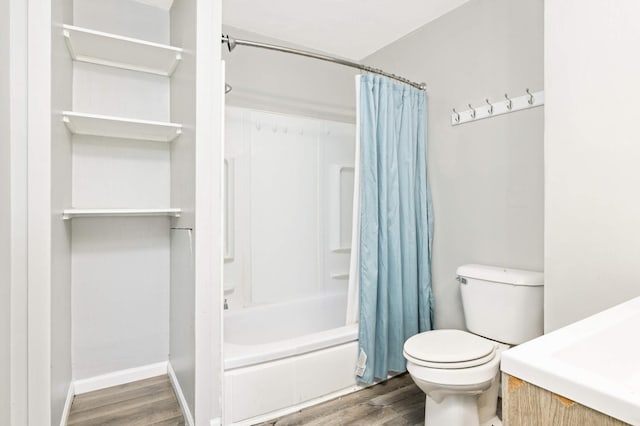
(118, 127)
(122, 52)
(72, 213)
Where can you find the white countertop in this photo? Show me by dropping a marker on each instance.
(594, 362)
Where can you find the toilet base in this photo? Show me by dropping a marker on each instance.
(456, 410)
(452, 410)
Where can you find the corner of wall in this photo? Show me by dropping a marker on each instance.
(5, 219)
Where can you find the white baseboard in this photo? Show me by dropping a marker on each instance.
(67, 405)
(120, 377)
(215, 422)
(181, 399)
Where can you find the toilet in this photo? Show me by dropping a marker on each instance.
(459, 371)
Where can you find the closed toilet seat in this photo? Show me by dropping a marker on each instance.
(449, 349)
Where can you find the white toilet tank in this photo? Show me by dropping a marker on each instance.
(502, 304)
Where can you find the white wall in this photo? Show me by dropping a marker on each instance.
(208, 213)
(286, 215)
(125, 17)
(486, 177)
(287, 83)
(19, 268)
(182, 283)
(5, 220)
(61, 80)
(120, 294)
(591, 157)
(120, 300)
(49, 191)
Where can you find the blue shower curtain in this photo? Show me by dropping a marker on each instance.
(396, 225)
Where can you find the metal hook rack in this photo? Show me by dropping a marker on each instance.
(489, 109)
(456, 116)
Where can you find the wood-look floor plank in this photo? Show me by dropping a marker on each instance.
(394, 396)
(376, 405)
(178, 421)
(111, 410)
(143, 416)
(412, 411)
(116, 391)
(310, 414)
(82, 403)
(396, 402)
(142, 403)
(350, 415)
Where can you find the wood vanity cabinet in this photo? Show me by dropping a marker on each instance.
(524, 404)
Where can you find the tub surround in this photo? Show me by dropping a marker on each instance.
(274, 364)
(593, 362)
(290, 188)
(237, 356)
(267, 333)
(270, 389)
(289, 194)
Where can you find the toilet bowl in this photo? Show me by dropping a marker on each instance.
(459, 371)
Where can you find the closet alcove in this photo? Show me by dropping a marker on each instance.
(122, 184)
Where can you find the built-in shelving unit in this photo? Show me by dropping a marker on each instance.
(75, 213)
(122, 52)
(112, 192)
(113, 50)
(119, 127)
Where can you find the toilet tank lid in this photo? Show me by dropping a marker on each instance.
(501, 275)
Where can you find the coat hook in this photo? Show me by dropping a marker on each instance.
(508, 102)
(473, 111)
(490, 109)
(457, 118)
(531, 98)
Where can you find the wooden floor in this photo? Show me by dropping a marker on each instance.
(396, 402)
(146, 402)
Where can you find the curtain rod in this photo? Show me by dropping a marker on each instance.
(233, 42)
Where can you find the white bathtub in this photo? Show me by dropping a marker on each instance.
(280, 356)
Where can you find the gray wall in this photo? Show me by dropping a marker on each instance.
(486, 177)
(280, 82)
(5, 219)
(592, 212)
